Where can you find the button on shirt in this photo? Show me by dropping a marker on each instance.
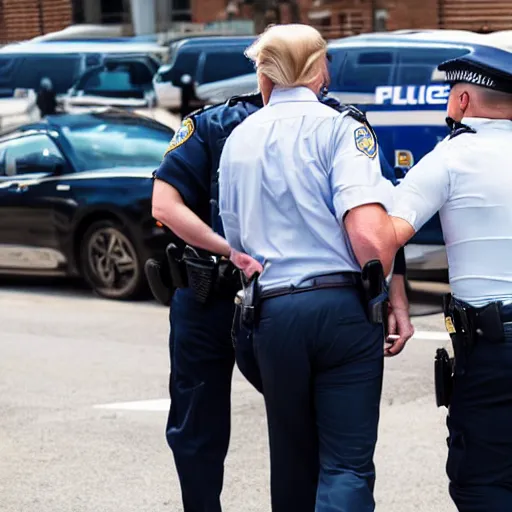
(288, 175)
(468, 179)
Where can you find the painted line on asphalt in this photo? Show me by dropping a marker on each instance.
(432, 335)
(142, 405)
(162, 405)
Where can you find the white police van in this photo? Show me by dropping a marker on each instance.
(393, 77)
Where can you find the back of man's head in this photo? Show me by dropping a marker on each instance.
(290, 55)
(485, 102)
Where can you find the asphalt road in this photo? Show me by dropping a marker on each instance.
(83, 388)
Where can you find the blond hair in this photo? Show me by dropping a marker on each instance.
(289, 55)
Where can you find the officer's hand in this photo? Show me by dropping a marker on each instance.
(247, 264)
(399, 324)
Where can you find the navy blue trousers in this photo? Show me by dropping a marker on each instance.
(321, 364)
(479, 462)
(198, 427)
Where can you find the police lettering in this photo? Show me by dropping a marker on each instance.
(412, 95)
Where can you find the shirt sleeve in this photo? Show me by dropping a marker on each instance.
(228, 203)
(355, 176)
(186, 164)
(424, 190)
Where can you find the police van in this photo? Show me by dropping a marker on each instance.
(393, 78)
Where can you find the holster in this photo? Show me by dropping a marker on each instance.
(209, 276)
(375, 292)
(159, 280)
(443, 375)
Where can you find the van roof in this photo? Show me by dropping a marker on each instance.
(209, 40)
(401, 37)
(59, 47)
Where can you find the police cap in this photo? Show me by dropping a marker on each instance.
(486, 66)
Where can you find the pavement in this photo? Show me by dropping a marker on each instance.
(83, 401)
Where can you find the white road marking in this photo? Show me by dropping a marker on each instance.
(142, 405)
(162, 405)
(432, 335)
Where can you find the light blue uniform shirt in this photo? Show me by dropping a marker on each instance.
(468, 179)
(288, 175)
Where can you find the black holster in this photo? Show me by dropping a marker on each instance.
(443, 375)
(210, 277)
(159, 280)
(375, 292)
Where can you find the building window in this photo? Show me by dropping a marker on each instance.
(112, 11)
(181, 10)
(380, 20)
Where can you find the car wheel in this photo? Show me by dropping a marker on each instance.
(110, 263)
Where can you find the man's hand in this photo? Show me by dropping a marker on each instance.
(247, 264)
(400, 328)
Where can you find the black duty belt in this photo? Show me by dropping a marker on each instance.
(338, 280)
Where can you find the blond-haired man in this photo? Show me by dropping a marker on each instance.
(301, 188)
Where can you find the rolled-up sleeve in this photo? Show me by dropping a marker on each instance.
(355, 175)
(424, 190)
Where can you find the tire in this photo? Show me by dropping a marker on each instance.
(110, 263)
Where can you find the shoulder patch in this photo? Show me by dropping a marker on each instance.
(365, 141)
(182, 135)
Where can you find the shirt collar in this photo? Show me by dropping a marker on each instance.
(286, 95)
(485, 122)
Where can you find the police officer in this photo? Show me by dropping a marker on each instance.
(301, 189)
(468, 178)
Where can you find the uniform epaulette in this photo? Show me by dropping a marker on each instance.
(458, 128)
(255, 98)
(355, 113)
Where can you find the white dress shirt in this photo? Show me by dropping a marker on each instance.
(288, 175)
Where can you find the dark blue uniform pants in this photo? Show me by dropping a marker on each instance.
(479, 463)
(198, 427)
(321, 364)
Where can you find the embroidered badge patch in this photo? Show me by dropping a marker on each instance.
(182, 135)
(365, 142)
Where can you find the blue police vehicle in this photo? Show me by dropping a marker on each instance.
(393, 77)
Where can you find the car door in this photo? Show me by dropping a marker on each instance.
(29, 240)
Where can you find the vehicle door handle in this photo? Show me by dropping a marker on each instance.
(17, 188)
(63, 188)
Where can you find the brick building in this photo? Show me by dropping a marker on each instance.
(336, 18)
(23, 19)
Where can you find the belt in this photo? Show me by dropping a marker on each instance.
(338, 280)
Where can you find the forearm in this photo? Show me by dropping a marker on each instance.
(398, 293)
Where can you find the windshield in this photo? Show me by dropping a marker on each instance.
(107, 144)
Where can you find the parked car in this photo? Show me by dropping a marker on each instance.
(120, 82)
(393, 77)
(204, 60)
(75, 199)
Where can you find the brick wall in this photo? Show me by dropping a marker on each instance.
(413, 14)
(20, 19)
(204, 11)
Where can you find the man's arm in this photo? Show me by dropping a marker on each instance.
(421, 194)
(361, 196)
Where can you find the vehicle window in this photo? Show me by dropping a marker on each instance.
(185, 64)
(417, 66)
(62, 70)
(224, 65)
(30, 155)
(105, 144)
(363, 70)
(8, 68)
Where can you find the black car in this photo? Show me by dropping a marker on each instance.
(75, 199)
